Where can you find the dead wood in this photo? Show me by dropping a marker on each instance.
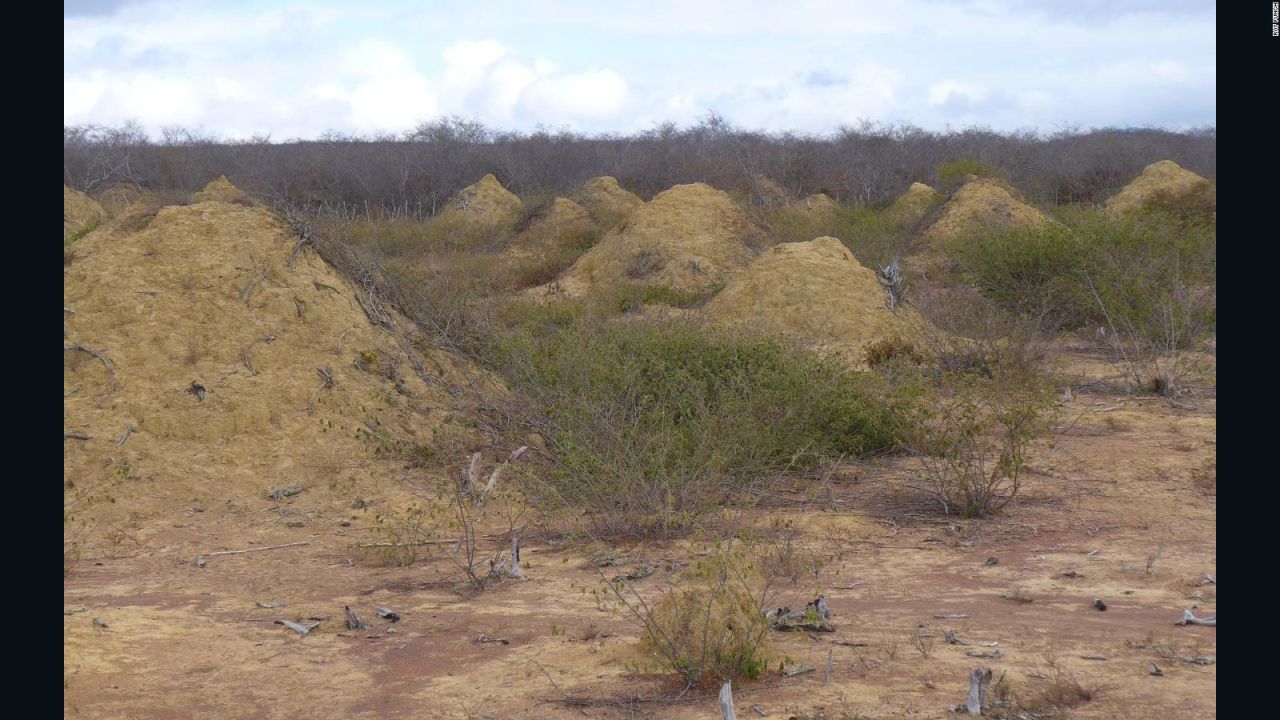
(354, 622)
(979, 679)
(1189, 618)
(201, 559)
(299, 628)
(111, 372)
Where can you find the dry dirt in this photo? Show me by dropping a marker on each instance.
(1165, 176)
(1122, 495)
(1121, 479)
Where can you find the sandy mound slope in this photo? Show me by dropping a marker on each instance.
(221, 190)
(911, 206)
(814, 290)
(79, 211)
(118, 196)
(234, 372)
(563, 218)
(979, 204)
(768, 192)
(607, 201)
(690, 237)
(484, 202)
(817, 204)
(1164, 177)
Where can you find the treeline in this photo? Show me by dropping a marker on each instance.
(416, 172)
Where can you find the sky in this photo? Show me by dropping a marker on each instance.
(289, 70)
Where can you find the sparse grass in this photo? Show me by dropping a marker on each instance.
(1056, 690)
(81, 232)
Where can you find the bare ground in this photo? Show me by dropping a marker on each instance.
(1121, 480)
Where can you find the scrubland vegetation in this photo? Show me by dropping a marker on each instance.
(648, 422)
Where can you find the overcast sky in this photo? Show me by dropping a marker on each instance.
(298, 69)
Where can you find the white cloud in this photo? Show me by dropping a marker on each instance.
(300, 69)
(587, 95)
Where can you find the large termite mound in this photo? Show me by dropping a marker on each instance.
(607, 201)
(1165, 178)
(210, 358)
(911, 206)
(221, 190)
(815, 291)
(484, 202)
(80, 213)
(978, 205)
(689, 238)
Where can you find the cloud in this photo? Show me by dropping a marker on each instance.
(299, 69)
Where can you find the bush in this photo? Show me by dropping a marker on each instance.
(1152, 283)
(972, 439)
(714, 629)
(891, 350)
(1030, 272)
(1151, 276)
(874, 236)
(652, 425)
(952, 175)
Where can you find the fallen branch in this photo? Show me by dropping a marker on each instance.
(246, 357)
(125, 436)
(102, 358)
(1189, 618)
(200, 559)
(299, 628)
(74, 436)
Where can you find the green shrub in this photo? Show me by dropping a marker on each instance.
(951, 175)
(652, 425)
(972, 437)
(874, 236)
(1031, 272)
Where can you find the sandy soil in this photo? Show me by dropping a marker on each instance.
(1121, 479)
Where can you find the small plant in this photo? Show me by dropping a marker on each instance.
(889, 646)
(1058, 689)
(922, 642)
(894, 284)
(972, 441)
(715, 628)
(890, 351)
(402, 533)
